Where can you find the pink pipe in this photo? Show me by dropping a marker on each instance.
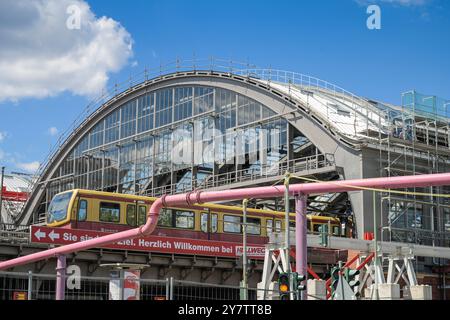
(194, 197)
(92, 243)
(61, 277)
(301, 246)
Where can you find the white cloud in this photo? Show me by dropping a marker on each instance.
(14, 160)
(31, 167)
(40, 56)
(53, 131)
(3, 135)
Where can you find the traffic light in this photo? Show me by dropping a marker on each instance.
(350, 276)
(323, 230)
(334, 279)
(299, 286)
(283, 286)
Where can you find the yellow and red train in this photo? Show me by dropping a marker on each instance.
(113, 212)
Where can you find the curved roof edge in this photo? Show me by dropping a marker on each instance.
(326, 97)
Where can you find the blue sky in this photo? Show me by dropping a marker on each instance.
(327, 39)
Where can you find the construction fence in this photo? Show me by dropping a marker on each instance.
(35, 286)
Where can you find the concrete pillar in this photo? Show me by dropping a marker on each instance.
(406, 293)
(367, 292)
(316, 289)
(271, 293)
(389, 291)
(421, 292)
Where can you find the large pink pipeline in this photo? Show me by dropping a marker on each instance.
(197, 197)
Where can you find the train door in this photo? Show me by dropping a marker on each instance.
(208, 223)
(142, 214)
(82, 212)
(131, 215)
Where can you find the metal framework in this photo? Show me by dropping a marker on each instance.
(417, 143)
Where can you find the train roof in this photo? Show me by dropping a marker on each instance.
(202, 206)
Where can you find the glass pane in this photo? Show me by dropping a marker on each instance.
(184, 219)
(82, 210)
(204, 222)
(57, 211)
(277, 225)
(231, 224)
(253, 226)
(142, 217)
(203, 99)
(163, 107)
(214, 223)
(112, 123)
(128, 119)
(165, 218)
(336, 231)
(96, 135)
(131, 214)
(269, 226)
(109, 212)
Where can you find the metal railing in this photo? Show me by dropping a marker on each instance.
(303, 165)
(12, 233)
(420, 236)
(35, 286)
(307, 84)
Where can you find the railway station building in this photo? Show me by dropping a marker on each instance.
(210, 127)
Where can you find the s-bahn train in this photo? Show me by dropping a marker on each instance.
(113, 212)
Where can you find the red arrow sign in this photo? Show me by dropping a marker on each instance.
(61, 236)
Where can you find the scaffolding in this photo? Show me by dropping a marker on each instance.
(417, 143)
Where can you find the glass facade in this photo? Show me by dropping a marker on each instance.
(133, 148)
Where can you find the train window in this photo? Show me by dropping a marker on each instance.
(253, 226)
(336, 231)
(142, 215)
(232, 224)
(57, 211)
(204, 222)
(269, 226)
(214, 222)
(165, 218)
(131, 214)
(291, 225)
(277, 225)
(109, 212)
(184, 219)
(316, 227)
(82, 210)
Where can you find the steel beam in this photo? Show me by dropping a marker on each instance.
(396, 248)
